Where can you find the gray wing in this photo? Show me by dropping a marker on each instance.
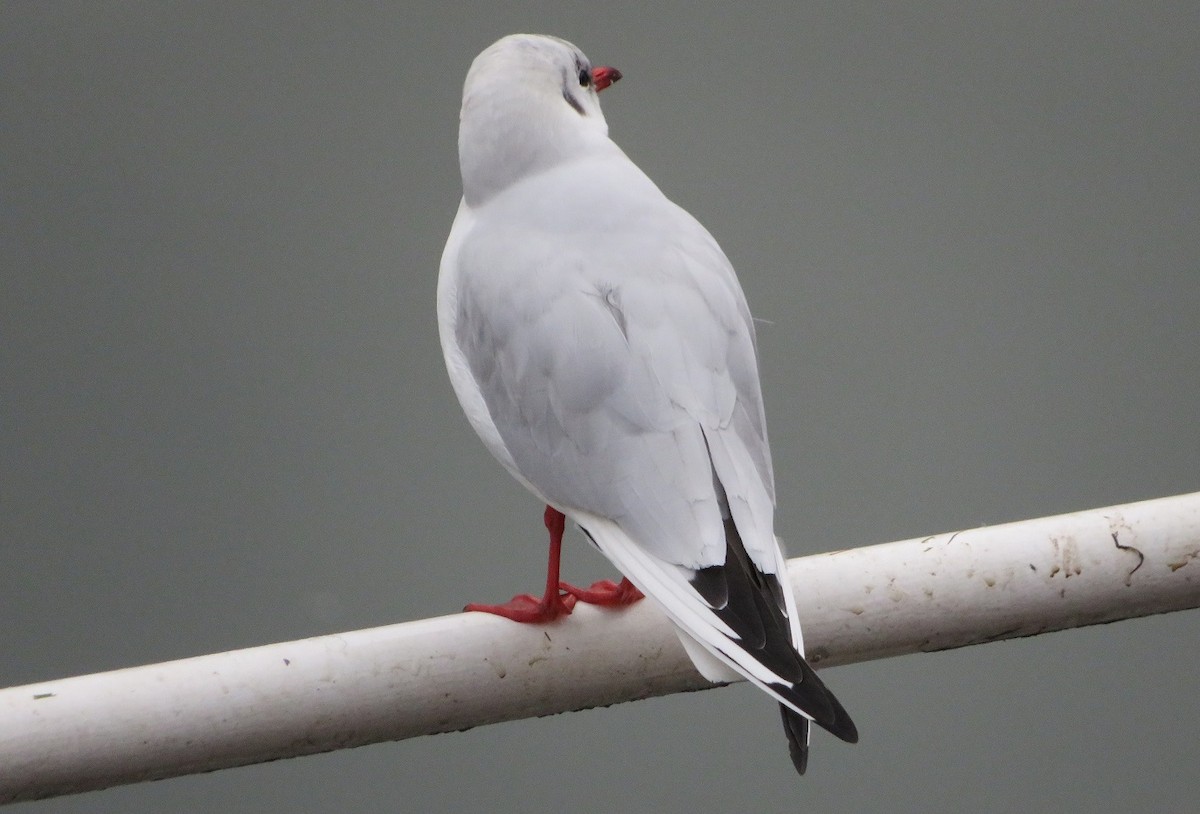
(614, 350)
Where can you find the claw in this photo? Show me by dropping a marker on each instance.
(605, 592)
(528, 609)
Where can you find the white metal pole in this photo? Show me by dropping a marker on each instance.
(462, 671)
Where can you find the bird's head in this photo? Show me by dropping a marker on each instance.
(529, 102)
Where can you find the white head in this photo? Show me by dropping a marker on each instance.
(529, 103)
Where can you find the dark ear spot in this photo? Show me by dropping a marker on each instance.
(573, 102)
(583, 71)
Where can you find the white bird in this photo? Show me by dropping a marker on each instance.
(601, 346)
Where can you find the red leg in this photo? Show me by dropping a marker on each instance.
(553, 604)
(605, 592)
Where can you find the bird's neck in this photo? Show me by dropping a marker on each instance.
(502, 141)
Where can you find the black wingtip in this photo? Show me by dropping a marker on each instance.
(751, 603)
(795, 726)
(833, 718)
(843, 727)
(840, 726)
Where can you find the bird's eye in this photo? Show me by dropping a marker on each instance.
(585, 77)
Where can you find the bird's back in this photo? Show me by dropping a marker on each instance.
(606, 333)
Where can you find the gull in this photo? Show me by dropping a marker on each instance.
(601, 346)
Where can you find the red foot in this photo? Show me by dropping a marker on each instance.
(560, 597)
(605, 592)
(528, 608)
(554, 603)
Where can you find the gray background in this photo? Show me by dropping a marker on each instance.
(972, 227)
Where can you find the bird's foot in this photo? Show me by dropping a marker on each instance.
(605, 592)
(528, 609)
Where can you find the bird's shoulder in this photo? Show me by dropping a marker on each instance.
(593, 224)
